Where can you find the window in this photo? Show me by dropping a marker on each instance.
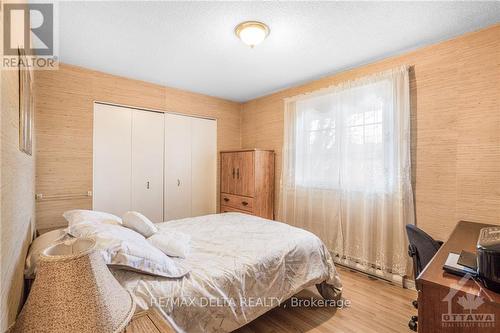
(343, 139)
(346, 172)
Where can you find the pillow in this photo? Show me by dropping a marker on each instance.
(172, 243)
(139, 223)
(38, 245)
(80, 215)
(126, 249)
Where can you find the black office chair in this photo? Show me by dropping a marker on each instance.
(422, 248)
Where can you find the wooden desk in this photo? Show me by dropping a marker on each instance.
(440, 307)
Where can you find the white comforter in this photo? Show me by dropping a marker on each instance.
(241, 266)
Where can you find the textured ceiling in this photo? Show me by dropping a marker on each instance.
(192, 46)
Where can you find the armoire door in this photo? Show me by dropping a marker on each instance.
(177, 173)
(147, 163)
(112, 159)
(203, 166)
(228, 172)
(245, 184)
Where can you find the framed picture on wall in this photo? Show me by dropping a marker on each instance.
(26, 107)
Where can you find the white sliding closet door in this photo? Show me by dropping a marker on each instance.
(203, 166)
(147, 164)
(112, 159)
(177, 167)
(161, 165)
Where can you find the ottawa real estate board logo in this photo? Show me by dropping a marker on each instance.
(29, 36)
(465, 309)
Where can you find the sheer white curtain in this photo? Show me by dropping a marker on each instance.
(346, 169)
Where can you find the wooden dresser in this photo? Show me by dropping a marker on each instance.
(247, 182)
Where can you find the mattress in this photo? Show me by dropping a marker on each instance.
(241, 266)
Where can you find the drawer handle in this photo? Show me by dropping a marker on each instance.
(226, 199)
(244, 203)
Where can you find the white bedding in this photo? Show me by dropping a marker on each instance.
(241, 267)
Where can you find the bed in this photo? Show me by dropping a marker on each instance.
(240, 267)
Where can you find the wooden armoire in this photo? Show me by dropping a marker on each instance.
(247, 182)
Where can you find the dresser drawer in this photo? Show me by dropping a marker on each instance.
(227, 209)
(236, 201)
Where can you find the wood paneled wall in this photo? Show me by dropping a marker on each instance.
(64, 116)
(17, 193)
(455, 121)
(455, 92)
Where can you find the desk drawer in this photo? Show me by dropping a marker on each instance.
(236, 201)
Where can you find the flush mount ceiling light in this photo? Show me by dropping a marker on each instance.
(252, 32)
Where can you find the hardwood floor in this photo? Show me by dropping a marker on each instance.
(376, 306)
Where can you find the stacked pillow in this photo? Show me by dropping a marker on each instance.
(81, 215)
(121, 242)
(139, 223)
(172, 243)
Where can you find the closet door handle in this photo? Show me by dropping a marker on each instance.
(147, 185)
(238, 173)
(178, 182)
(233, 172)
